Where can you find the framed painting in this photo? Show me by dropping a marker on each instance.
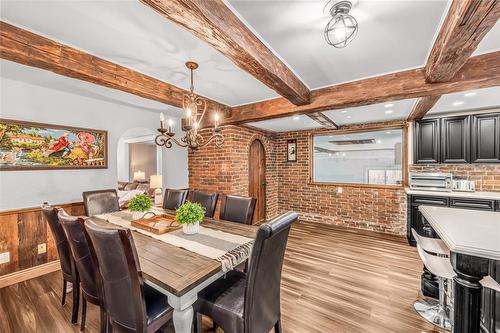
(35, 146)
(291, 150)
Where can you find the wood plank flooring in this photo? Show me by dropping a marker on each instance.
(334, 280)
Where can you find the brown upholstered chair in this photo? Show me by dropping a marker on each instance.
(173, 199)
(207, 200)
(133, 306)
(100, 202)
(87, 269)
(250, 303)
(68, 269)
(237, 209)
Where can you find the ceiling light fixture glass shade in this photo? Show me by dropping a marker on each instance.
(195, 108)
(342, 27)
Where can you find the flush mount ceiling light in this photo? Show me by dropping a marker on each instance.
(342, 27)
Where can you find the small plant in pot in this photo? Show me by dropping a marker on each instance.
(139, 205)
(190, 214)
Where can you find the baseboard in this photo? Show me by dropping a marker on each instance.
(30, 273)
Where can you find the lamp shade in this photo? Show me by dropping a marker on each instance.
(155, 181)
(139, 176)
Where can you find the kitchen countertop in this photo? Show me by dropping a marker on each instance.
(471, 195)
(466, 231)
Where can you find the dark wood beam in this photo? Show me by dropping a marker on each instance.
(479, 72)
(323, 120)
(213, 22)
(466, 23)
(422, 106)
(30, 49)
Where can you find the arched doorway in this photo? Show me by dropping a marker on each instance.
(257, 178)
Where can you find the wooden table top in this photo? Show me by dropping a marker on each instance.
(178, 270)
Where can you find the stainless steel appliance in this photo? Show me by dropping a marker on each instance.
(431, 181)
(462, 185)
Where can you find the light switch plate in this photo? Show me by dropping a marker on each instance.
(42, 248)
(4, 257)
(339, 189)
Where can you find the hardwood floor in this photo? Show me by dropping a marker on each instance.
(334, 280)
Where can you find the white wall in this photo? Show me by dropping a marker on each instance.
(23, 101)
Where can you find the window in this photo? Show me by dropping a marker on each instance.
(372, 157)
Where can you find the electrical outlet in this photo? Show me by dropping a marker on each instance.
(339, 190)
(4, 257)
(42, 248)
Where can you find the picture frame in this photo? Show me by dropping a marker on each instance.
(38, 146)
(291, 148)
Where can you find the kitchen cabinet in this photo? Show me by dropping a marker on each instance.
(427, 148)
(485, 135)
(458, 139)
(455, 144)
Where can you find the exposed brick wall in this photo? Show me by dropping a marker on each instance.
(379, 209)
(225, 169)
(486, 176)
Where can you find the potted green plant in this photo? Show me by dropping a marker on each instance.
(190, 214)
(139, 205)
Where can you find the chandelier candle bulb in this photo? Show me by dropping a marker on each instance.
(170, 126)
(162, 119)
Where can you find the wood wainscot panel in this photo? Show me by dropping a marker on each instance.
(22, 230)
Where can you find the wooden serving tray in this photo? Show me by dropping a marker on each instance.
(158, 224)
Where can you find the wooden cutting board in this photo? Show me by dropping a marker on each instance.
(158, 224)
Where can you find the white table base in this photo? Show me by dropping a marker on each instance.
(183, 305)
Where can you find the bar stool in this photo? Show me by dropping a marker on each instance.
(435, 312)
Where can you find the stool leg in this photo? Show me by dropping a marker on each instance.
(435, 312)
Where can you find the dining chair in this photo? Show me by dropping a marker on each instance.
(87, 269)
(100, 202)
(173, 199)
(133, 306)
(207, 200)
(237, 209)
(250, 303)
(68, 269)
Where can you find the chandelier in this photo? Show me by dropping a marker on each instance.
(342, 27)
(195, 108)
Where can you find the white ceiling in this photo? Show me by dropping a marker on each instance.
(294, 123)
(133, 35)
(392, 36)
(487, 98)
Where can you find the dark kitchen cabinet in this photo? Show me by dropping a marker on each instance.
(427, 148)
(455, 144)
(415, 220)
(485, 138)
(458, 139)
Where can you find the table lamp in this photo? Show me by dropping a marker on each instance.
(156, 182)
(139, 176)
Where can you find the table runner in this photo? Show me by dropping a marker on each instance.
(229, 249)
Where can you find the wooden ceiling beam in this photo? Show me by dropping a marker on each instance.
(422, 106)
(30, 49)
(479, 72)
(465, 25)
(323, 120)
(216, 24)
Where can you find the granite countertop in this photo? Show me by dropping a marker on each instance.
(451, 194)
(466, 231)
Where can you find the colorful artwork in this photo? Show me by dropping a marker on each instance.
(29, 146)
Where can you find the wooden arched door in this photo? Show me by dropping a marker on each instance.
(257, 178)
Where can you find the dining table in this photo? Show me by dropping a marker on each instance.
(179, 273)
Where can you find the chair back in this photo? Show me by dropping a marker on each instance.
(173, 199)
(122, 280)
(237, 209)
(262, 295)
(65, 257)
(207, 200)
(87, 271)
(100, 202)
